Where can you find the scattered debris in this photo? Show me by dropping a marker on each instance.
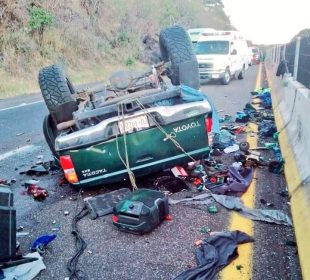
(212, 209)
(239, 266)
(20, 228)
(103, 204)
(37, 192)
(37, 170)
(22, 234)
(178, 171)
(270, 216)
(204, 230)
(223, 140)
(4, 182)
(267, 128)
(223, 245)
(231, 149)
(41, 243)
(66, 213)
(237, 183)
(26, 270)
(20, 133)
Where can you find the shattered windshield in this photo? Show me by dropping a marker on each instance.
(212, 47)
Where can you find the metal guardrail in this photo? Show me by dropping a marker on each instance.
(297, 55)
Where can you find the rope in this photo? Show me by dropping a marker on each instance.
(126, 161)
(171, 136)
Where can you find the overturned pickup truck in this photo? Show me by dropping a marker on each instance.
(134, 125)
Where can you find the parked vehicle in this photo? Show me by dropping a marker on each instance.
(255, 55)
(135, 124)
(221, 55)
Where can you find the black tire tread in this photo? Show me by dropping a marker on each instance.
(55, 87)
(175, 45)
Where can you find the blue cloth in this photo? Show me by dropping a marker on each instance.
(189, 94)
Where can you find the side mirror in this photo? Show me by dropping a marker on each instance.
(233, 52)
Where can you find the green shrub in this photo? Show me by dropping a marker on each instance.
(39, 18)
(130, 61)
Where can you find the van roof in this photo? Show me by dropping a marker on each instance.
(221, 35)
(194, 33)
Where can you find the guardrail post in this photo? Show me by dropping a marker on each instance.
(296, 59)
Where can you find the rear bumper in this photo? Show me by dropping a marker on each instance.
(152, 167)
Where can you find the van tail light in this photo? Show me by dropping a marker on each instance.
(68, 168)
(208, 123)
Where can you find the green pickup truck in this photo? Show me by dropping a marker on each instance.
(136, 124)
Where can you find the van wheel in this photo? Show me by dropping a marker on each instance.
(226, 79)
(241, 74)
(176, 47)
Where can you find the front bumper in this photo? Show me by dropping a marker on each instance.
(211, 75)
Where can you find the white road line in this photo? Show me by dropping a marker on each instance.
(21, 105)
(20, 150)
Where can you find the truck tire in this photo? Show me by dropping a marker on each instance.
(50, 134)
(176, 47)
(56, 88)
(226, 78)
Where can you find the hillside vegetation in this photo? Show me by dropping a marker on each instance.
(90, 38)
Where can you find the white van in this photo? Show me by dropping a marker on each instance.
(221, 55)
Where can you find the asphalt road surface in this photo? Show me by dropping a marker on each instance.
(169, 249)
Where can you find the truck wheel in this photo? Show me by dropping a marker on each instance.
(50, 134)
(176, 47)
(226, 79)
(55, 87)
(241, 74)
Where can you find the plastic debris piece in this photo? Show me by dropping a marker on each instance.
(231, 149)
(212, 209)
(66, 213)
(41, 242)
(22, 234)
(204, 230)
(237, 165)
(179, 171)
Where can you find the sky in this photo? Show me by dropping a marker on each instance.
(268, 21)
